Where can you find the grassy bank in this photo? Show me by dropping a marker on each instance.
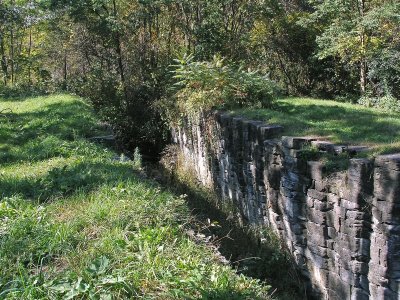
(78, 223)
(341, 123)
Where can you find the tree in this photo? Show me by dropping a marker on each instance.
(348, 32)
(383, 25)
(21, 32)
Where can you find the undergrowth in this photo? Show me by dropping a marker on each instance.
(77, 222)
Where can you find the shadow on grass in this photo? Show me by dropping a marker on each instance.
(14, 99)
(40, 134)
(262, 260)
(65, 120)
(66, 180)
(57, 129)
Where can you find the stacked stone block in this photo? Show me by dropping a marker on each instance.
(342, 228)
(384, 265)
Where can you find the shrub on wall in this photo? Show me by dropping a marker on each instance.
(202, 86)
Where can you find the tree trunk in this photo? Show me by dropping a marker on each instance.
(363, 76)
(12, 48)
(65, 69)
(4, 66)
(12, 55)
(363, 63)
(29, 56)
(119, 55)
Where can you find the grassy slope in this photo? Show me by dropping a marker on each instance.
(339, 122)
(76, 222)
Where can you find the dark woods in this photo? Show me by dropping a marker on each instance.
(118, 53)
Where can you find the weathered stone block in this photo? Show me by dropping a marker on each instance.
(330, 244)
(333, 199)
(316, 170)
(333, 220)
(356, 229)
(385, 212)
(338, 289)
(317, 195)
(270, 131)
(316, 234)
(296, 142)
(347, 276)
(316, 261)
(323, 205)
(387, 184)
(377, 215)
(360, 169)
(320, 185)
(359, 180)
(359, 294)
(391, 161)
(361, 247)
(324, 146)
(373, 290)
(310, 202)
(359, 267)
(332, 233)
(320, 251)
(316, 216)
(343, 257)
(356, 215)
(377, 274)
(385, 293)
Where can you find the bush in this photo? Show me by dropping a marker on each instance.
(130, 111)
(205, 85)
(26, 90)
(387, 102)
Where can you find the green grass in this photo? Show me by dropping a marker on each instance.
(77, 223)
(340, 123)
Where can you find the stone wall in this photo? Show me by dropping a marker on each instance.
(341, 227)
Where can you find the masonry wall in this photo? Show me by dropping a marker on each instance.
(342, 228)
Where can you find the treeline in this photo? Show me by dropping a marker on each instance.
(118, 53)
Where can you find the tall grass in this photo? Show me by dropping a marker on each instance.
(76, 222)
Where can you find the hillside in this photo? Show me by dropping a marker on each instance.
(78, 222)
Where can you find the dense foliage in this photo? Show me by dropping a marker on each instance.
(118, 52)
(204, 85)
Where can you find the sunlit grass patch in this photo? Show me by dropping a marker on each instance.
(341, 123)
